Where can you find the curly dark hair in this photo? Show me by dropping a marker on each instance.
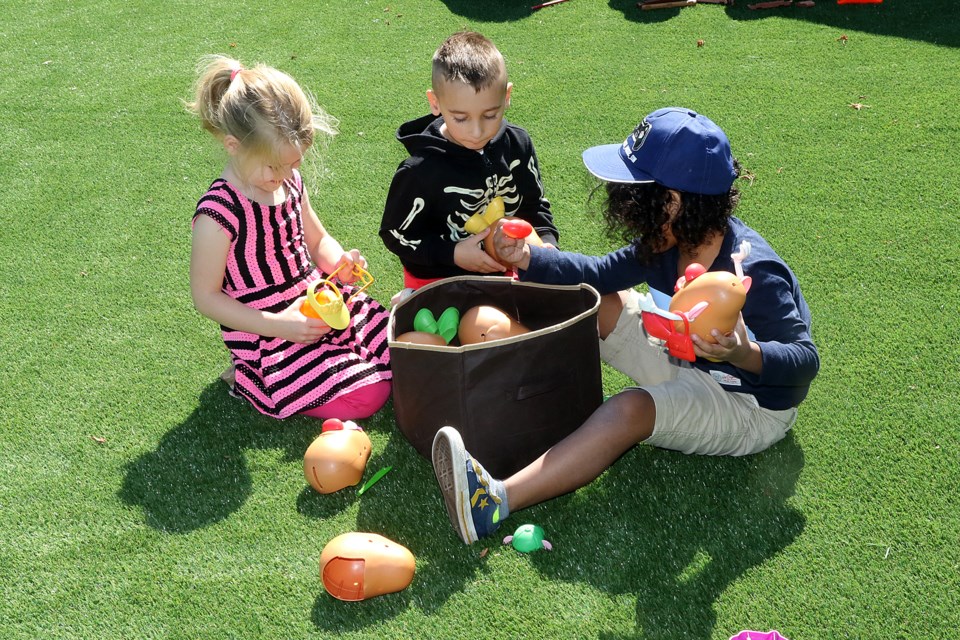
(636, 214)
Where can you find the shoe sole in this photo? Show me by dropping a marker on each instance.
(449, 465)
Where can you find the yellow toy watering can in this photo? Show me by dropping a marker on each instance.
(327, 303)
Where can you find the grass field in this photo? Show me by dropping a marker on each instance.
(138, 500)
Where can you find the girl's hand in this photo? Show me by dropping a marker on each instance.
(351, 259)
(469, 255)
(292, 325)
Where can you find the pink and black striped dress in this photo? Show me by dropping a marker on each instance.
(268, 268)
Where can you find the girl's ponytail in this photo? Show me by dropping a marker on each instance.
(216, 75)
(261, 107)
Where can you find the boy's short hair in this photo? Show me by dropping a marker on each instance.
(468, 57)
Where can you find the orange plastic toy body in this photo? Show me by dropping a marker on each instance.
(357, 566)
(703, 302)
(422, 337)
(725, 295)
(484, 323)
(337, 457)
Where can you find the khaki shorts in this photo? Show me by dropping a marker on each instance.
(694, 413)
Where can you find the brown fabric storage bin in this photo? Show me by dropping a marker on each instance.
(510, 399)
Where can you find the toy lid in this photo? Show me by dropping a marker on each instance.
(334, 313)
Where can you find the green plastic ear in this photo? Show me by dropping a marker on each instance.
(448, 323)
(424, 321)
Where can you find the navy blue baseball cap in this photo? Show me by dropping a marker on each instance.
(675, 147)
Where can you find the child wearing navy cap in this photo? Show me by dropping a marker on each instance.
(670, 195)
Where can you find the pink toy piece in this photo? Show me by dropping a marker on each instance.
(758, 635)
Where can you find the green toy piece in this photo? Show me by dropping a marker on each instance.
(448, 323)
(373, 480)
(424, 321)
(527, 538)
(446, 327)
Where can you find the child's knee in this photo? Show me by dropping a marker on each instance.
(634, 413)
(611, 306)
(365, 402)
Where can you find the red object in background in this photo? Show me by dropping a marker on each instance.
(859, 1)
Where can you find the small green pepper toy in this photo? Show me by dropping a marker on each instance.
(446, 326)
(527, 538)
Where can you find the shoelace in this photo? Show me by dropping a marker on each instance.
(482, 479)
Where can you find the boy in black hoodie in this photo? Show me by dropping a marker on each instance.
(462, 156)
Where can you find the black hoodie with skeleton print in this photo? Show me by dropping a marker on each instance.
(442, 184)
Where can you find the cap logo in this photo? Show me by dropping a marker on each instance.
(640, 134)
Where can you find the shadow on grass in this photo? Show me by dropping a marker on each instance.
(669, 530)
(198, 475)
(673, 531)
(492, 10)
(932, 21)
(406, 507)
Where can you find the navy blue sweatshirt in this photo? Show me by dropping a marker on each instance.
(775, 312)
(442, 184)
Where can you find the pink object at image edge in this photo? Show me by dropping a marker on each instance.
(758, 635)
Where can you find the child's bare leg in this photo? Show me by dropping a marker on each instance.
(611, 305)
(624, 420)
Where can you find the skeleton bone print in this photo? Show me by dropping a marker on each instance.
(475, 200)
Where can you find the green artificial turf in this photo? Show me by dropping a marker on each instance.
(138, 500)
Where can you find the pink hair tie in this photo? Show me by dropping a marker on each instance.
(233, 74)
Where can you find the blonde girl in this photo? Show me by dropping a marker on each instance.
(258, 244)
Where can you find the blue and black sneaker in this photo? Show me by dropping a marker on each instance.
(474, 507)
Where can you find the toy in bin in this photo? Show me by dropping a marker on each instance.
(326, 303)
(444, 326)
(703, 301)
(357, 566)
(485, 323)
(337, 457)
(433, 331)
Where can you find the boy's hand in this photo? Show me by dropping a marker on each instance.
(734, 347)
(469, 255)
(292, 325)
(351, 258)
(512, 251)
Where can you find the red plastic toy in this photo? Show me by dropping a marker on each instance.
(723, 296)
(517, 228)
